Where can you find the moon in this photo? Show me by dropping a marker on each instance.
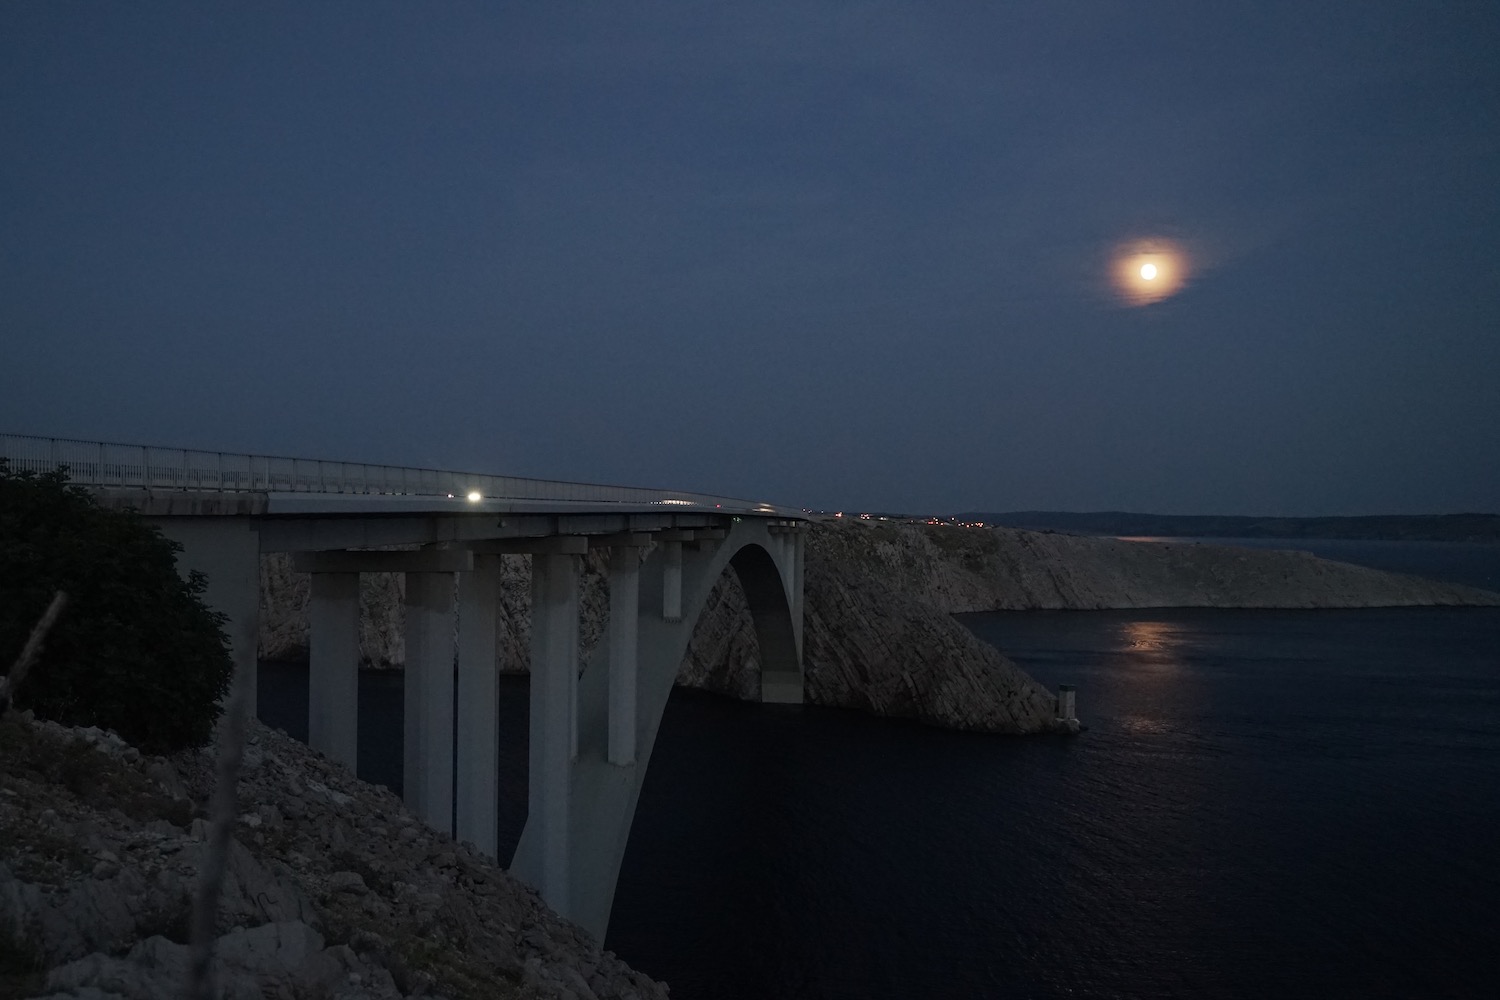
(1148, 270)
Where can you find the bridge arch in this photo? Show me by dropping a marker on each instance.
(771, 603)
(603, 796)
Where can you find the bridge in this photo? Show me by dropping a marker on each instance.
(592, 725)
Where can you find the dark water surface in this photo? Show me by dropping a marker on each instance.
(1266, 804)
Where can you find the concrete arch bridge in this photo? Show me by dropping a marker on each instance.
(592, 727)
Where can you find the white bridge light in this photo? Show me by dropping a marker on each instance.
(475, 496)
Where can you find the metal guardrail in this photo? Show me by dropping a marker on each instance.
(103, 463)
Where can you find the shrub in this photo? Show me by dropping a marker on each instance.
(136, 650)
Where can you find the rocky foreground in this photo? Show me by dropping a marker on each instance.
(878, 632)
(334, 891)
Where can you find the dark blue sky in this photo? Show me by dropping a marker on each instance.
(822, 254)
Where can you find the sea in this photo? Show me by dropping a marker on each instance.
(1263, 804)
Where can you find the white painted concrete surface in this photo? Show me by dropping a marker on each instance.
(427, 783)
(333, 667)
(478, 707)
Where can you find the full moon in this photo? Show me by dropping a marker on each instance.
(1148, 270)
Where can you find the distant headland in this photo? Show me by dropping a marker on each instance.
(1376, 527)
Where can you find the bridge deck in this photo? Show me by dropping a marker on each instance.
(289, 485)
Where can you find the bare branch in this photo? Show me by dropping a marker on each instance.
(215, 858)
(11, 683)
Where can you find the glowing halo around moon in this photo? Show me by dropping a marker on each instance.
(1147, 271)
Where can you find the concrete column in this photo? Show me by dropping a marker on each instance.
(624, 620)
(478, 714)
(333, 667)
(671, 595)
(798, 605)
(428, 763)
(226, 550)
(1066, 704)
(554, 716)
(780, 553)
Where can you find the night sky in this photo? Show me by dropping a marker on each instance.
(830, 255)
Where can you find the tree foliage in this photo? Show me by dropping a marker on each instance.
(137, 651)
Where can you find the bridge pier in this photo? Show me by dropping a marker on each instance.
(476, 810)
(624, 648)
(333, 667)
(554, 721)
(671, 597)
(799, 558)
(427, 771)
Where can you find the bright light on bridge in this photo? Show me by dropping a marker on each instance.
(475, 496)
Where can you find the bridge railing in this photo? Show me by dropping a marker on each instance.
(103, 463)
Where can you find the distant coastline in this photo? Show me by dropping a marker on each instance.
(1377, 527)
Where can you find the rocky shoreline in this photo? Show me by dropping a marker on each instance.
(333, 890)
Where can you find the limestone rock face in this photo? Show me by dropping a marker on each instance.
(333, 888)
(284, 597)
(870, 646)
(249, 964)
(723, 655)
(980, 569)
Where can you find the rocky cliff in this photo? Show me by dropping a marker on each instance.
(870, 646)
(332, 890)
(980, 569)
(878, 635)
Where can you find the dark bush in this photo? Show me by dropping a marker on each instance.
(136, 650)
